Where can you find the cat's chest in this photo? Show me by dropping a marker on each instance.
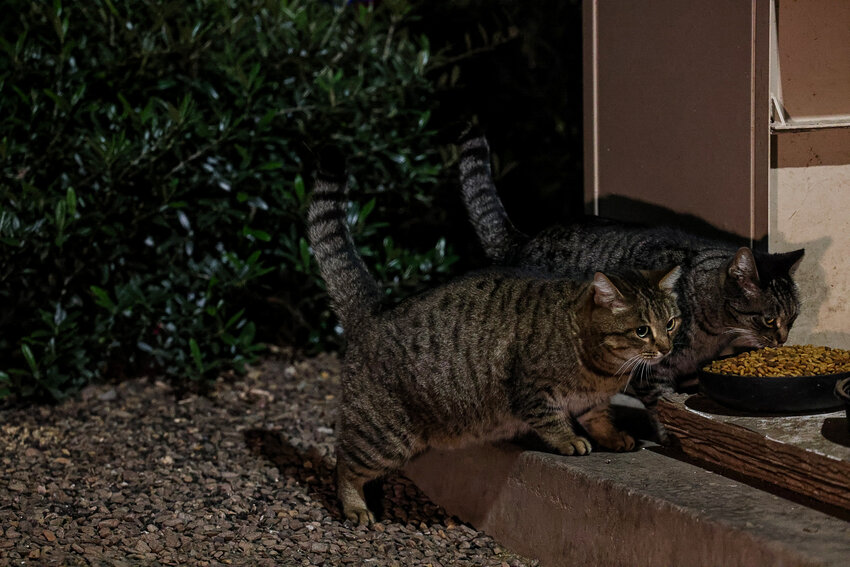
(587, 390)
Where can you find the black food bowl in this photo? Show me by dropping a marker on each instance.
(842, 392)
(777, 394)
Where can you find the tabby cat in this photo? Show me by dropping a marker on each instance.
(728, 296)
(487, 356)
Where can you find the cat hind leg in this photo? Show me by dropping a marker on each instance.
(349, 488)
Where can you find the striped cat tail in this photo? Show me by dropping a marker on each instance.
(354, 292)
(498, 236)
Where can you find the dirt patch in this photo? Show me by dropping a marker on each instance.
(133, 474)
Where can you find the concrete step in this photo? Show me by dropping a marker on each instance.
(634, 509)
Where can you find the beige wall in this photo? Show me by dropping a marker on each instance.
(810, 208)
(810, 175)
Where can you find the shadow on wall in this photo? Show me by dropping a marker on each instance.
(817, 297)
(649, 214)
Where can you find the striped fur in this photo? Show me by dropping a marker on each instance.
(484, 357)
(497, 235)
(728, 297)
(355, 293)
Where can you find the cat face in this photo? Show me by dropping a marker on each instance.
(762, 301)
(636, 317)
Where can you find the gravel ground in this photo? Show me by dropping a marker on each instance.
(135, 473)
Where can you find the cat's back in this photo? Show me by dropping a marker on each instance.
(478, 315)
(477, 298)
(578, 249)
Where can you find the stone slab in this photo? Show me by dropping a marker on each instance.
(642, 509)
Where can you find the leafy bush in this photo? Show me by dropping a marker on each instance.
(154, 165)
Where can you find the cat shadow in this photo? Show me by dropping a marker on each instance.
(309, 468)
(623, 208)
(393, 498)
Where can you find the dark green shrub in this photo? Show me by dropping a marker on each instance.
(153, 164)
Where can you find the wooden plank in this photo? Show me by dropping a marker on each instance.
(746, 446)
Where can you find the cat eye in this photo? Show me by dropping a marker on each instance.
(769, 322)
(642, 331)
(671, 324)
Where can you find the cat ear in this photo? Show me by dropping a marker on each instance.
(668, 282)
(787, 262)
(742, 269)
(606, 294)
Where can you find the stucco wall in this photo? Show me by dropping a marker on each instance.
(810, 207)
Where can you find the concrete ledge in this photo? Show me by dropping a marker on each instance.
(640, 509)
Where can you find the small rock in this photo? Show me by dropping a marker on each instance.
(143, 547)
(108, 396)
(172, 541)
(49, 536)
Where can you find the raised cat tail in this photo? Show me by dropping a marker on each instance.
(354, 292)
(498, 236)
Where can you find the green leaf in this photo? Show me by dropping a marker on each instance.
(102, 299)
(233, 319)
(246, 337)
(60, 215)
(71, 201)
(256, 233)
(365, 210)
(299, 189)
(5, 381)
(271, 165)
(196, 355)
(305, 255)
(30, 358)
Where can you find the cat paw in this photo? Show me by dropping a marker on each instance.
(360, 516)
(623, 442)
(661, 435)
(619, 441)
(577, 446)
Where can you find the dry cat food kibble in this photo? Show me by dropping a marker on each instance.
(789, 360)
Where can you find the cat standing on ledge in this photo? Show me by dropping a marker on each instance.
(484, 357)
(728, 296)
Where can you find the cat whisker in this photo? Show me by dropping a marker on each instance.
(645, 372)
(628, 366)
(641, 368)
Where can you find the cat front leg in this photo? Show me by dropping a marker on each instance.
(555, 428)
(597, 422)
(649, 397)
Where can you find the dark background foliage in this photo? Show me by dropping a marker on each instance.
(155, 162)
